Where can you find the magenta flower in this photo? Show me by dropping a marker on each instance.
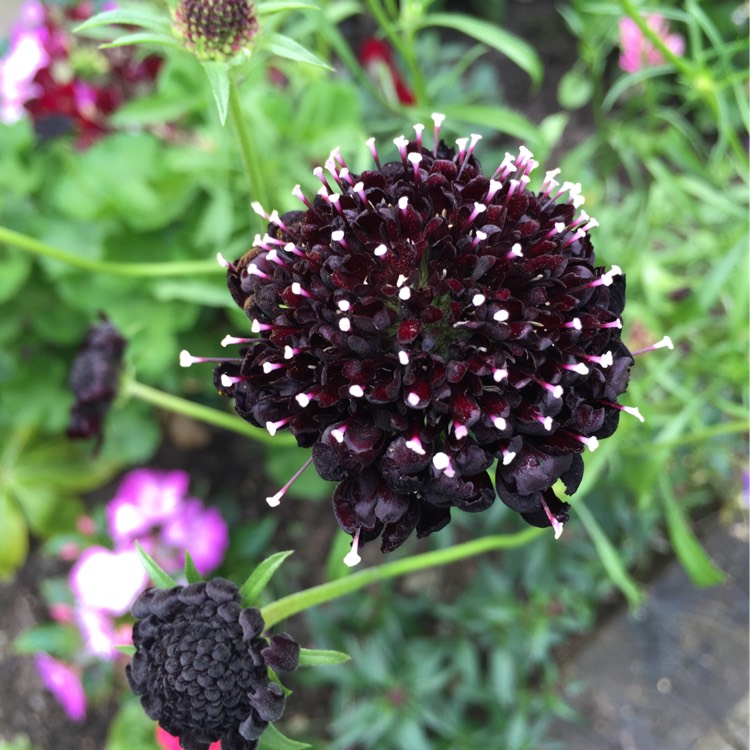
(25, 57)
(107, 580)
(144, 500)
(64, 683)
(637, 51)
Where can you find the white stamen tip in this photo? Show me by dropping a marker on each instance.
(516, 250)
(352, 558)
(403, 358)
(345, 325)
(666, 342)
(222, 261)
(415, 444)
(186, 359)
(272, 427)
(258, 209)
(380, 250)
(438, 118)
(501, 316)
(607, 359)
(576, 323)
(499, 423)
(337, 235)
(403, 202)
(547, 423)
(288, 352)
(500, 374)
(557, 391)
(296, 288)
(356, 391)
(508, 456)
(414, 157)
(274, 500)
(344, 305)
(560, 227)
(478, 299)
(460, 431)
(404, 293)
(400, 280)
(302, 399)
(634, 411)
(227, 381)
(338, 434)
(227, 340)
(591, 443)
(441, 461)
(413, 399)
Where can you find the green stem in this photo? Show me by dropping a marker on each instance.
(248, 150)
(202, 413)
(140, 270)
(294, 603)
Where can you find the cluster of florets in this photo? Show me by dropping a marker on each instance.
(201, 665)
(422, 321)
(215, 29)
(64, 82)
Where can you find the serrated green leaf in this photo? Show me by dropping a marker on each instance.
(191, 572)
(312, 657)
(511, 46)
(127, 650)
(260, 577)
(143, 37)
(131, 15)
(218, 77)
(273, 739)
(15, 544)
(279, 6)
(160, 578)
(285, 47)
(690, 553)
(58, 640)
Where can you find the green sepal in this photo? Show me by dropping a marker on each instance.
(279, 6)
(218, 77)
(284, 46)
(132, 15)
(314, 657)
(273, 739)
(259, 578)
(191, 572)
(160, 578)
(143, 37)
(126, 649)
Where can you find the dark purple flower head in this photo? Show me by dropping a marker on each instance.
(201, 665)
(94, 379)
(215, 29)
(422, 321)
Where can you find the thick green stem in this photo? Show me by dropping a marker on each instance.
(294, 603)
(202, 413)
(248, 149)
(140, 270)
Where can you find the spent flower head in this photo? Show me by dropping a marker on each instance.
(215, 29)
(421, 321)
(201, 665)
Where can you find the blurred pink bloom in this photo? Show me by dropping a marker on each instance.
(98, 632)
(86, 525)
(145, 499)
(199, 530)
(64, 683)
(107, 580)
(61, 612)
(167, 742)
(637, 51)
(25, 57)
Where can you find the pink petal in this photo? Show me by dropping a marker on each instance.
(64, 683)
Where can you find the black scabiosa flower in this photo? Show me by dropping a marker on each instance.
(215, 29)
(422, 321)
(201, 665)
(94, 379)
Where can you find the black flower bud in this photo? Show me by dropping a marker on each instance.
(94, 380)
(201, 665)
(215, 29)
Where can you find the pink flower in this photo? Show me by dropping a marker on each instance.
(106, 580)
(201, 531)
(167, 742)
(64, 683)
(97, 629)
(26, 56)
(144, 500)
(376, 58)
(639, 52)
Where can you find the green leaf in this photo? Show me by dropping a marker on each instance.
(15, 544)
(279, 6)
(511, 46)
(160, 578)
(283, 46)
(609, 556)
(260, 577)
(191, 572)
(127, 650)
(690, 553)
(132, 15)
(309, 657)
(59, 640)
(143, 37)
(218, 77)
(131, 728)
(273, 739)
